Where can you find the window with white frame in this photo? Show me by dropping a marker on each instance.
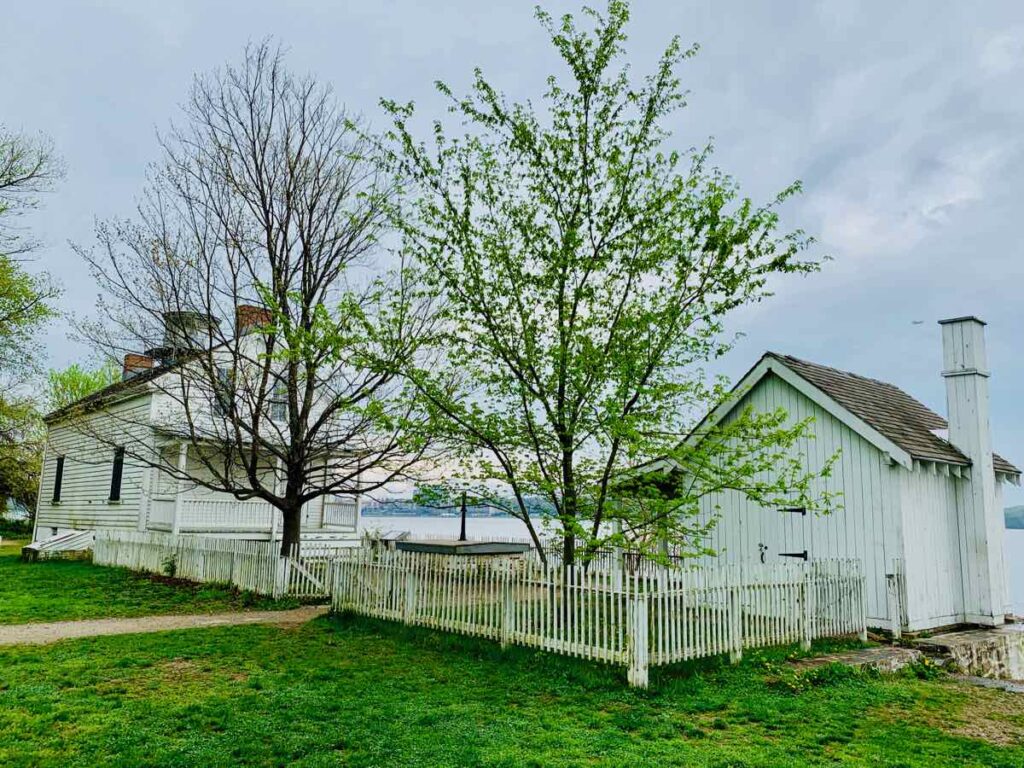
(224, 391)
(279, 402)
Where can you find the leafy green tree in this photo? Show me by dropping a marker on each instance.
(28, 167)
(21, 443)
(583, 269)
(26, 304)
(71, 384)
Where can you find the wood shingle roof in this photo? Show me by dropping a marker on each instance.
(888, 409)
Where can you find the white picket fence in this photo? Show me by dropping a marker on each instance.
(633, 620)
(254, 566)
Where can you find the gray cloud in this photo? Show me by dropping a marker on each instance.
(904, 121)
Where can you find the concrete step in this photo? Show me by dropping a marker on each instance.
(885, 658)
(995, 653)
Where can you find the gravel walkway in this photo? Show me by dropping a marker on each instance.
(41, 634)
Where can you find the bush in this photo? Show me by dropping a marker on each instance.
(15, 528)
(925, 669)
(170, 565)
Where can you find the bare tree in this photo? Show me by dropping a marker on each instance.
(28, 167)
(268, 207)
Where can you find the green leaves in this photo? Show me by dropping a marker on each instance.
(71, 384)
(583, 268)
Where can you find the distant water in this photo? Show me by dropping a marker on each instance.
(508, 527)
(476, 527)
(1015, 568)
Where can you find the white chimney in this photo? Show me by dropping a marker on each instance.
(965, 369)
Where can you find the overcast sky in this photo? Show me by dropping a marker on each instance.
(905, 122)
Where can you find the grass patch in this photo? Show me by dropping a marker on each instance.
(349, 691)
(60, 590)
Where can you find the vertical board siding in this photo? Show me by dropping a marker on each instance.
(933, 583)
(866, 526)
(88, 466)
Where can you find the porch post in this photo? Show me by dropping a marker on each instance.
(179, 497)
(149, 478)
(323, 498)
(277, 491)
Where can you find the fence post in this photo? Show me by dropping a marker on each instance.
(281, 577)
(862, 602)
(735, 622)
(895, 619)
(637, 627)
(409, 610)
(507, 611)
(808, 600)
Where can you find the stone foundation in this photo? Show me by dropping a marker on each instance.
(993, 653)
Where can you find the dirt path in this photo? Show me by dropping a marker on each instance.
(41, 634)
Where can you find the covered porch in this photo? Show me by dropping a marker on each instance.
(225, 515)
(179, 507)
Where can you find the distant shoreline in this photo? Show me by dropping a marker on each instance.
(439, 515)
(1014, 517)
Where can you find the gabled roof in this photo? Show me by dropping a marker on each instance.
(108, 393)
(889, 410)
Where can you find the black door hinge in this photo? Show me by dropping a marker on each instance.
(795, 510)
(800, 555)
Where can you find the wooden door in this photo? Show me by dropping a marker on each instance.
(784, 535)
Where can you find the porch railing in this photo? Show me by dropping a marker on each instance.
(215, 515)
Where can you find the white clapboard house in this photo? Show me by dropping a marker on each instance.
(921, 496)
(93, 477)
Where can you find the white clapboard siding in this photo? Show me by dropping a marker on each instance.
(87, 447)
(636, 621)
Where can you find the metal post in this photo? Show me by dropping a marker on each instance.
(462, 526)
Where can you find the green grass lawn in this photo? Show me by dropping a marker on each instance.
(344, 691)
(58, 590)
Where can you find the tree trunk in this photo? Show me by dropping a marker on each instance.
(291, 530)
(569, 549)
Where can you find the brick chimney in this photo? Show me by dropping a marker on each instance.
(134, 364)
(248, 316)
(965, 369)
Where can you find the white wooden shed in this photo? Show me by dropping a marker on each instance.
(921, 503)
